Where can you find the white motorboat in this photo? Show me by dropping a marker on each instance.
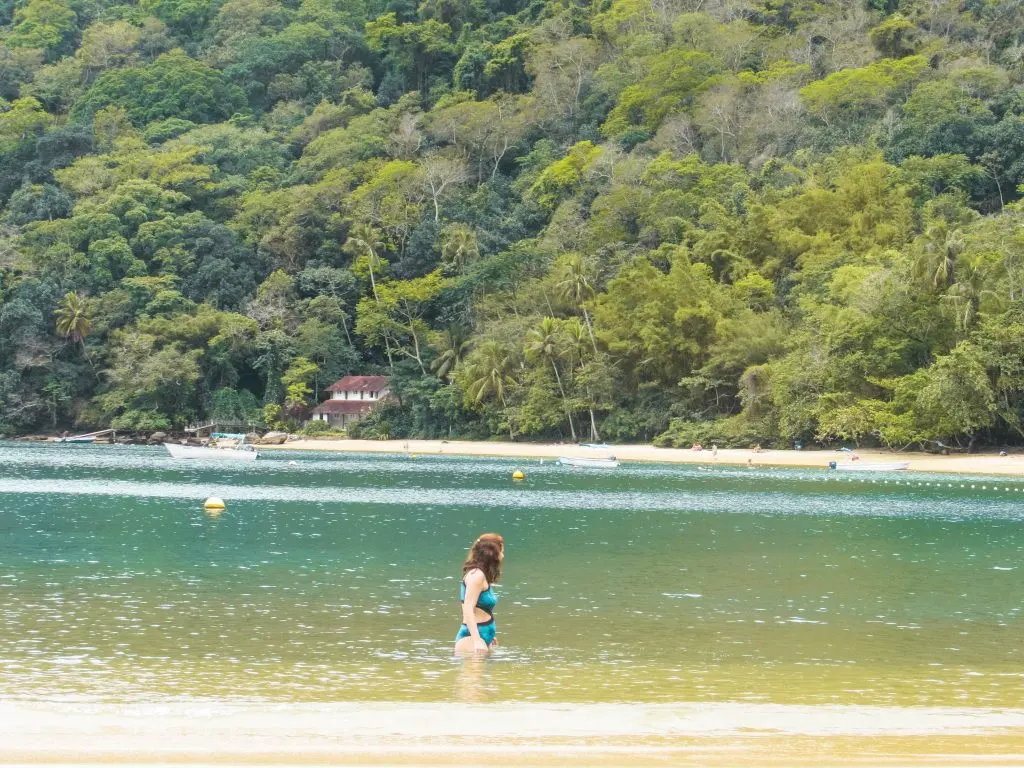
(239, 451)
(569, 461)
(857, 466)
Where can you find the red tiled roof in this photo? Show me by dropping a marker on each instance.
(359, 384)
(345, 406)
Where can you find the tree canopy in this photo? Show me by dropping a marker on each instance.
(735, 222)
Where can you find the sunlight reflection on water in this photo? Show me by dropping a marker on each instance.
(336, 580)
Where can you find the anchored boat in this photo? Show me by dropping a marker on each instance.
(89, 437)
(569, 461)
(239, 451)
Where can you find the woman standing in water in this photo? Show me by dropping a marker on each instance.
(479, 573)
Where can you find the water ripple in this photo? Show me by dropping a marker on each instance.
(708, 500)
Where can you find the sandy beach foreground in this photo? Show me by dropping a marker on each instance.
(976, 464)
(714, 734)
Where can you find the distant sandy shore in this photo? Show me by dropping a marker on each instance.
(975, 464)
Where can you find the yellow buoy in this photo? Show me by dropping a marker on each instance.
(518, 475)
(213, 503)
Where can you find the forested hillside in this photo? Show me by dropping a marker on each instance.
(731, 220)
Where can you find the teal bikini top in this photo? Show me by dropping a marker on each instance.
(485, 602)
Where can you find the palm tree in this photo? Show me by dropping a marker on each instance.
(942, 248)
(73, 321)
(576, 287)
(544, 342)
(965, 297)
(458, 247)
(363, 238)
(576, 334)
(452, 344)
(366, 240)
(489, 375)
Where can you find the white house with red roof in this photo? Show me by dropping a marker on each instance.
(350, 399)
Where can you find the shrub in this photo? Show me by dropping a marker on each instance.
(730, 432)
(141, 421)
(320, 429)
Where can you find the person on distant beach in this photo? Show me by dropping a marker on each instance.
(479, 573)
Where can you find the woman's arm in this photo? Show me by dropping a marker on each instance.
(475, 584)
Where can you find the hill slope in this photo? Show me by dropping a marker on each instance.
(729, 221)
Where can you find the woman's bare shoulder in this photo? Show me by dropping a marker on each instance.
(475, 578)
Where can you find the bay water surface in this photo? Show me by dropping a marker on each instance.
(332, 580)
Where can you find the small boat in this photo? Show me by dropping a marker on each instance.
(600, 446)
(88, 437)
(239, 451)
(856, 466)
(202, 452)
(568, 461)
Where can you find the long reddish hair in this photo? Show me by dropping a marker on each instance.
(485, 555)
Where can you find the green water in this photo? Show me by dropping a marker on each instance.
(334, 579)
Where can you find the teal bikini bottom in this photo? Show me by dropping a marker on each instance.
(486, 629)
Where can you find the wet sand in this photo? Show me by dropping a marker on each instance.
(715, 734)
(975, 464)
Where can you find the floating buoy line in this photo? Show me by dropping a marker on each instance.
(966, 485)
(937, 484)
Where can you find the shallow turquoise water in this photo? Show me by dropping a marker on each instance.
(336, 580)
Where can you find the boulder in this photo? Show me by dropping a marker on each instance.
(158, 437)
(274, 438)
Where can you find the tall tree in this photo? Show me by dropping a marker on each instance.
(544, 342)
(73, 321)
(576, 285)
(366, 241)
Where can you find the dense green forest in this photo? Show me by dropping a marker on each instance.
(738, 221)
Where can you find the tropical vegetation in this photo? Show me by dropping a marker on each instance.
(733, 221)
